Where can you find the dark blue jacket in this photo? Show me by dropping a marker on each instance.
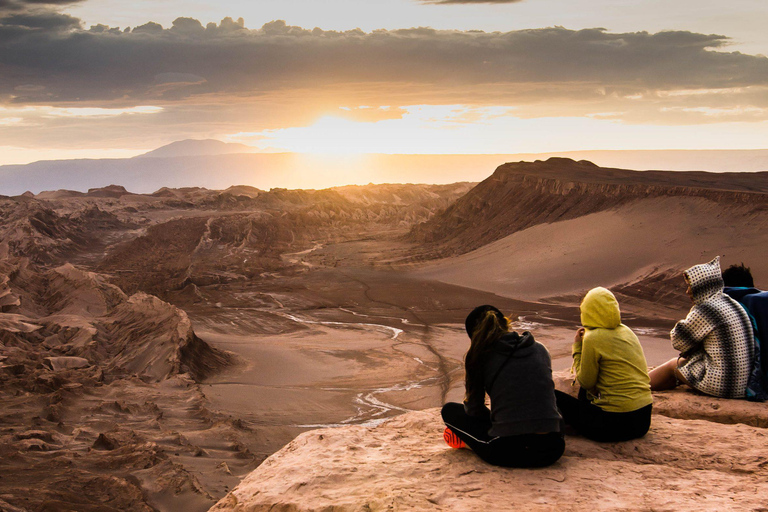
(755, 302)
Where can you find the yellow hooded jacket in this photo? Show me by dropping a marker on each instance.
(609, 362)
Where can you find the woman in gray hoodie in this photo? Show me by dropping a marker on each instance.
(523, 426)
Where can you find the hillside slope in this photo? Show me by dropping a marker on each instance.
(555, 229)
(521, 195)
(638, 248)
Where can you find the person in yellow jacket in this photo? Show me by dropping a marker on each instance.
(615, 399)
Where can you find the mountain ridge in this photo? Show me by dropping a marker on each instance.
(289, 170)
(196, 147)
(523, 194)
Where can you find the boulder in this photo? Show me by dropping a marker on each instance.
(57, 363)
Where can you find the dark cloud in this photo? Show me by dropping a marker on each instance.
(156, 65)
(49, 2)
(43, 20)
(19, 16)
(24, 5)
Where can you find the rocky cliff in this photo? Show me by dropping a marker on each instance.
(524, 194)
(700, 454)
(241, 233)
(36, 230)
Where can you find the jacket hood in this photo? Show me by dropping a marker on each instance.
(512, 341)
(600, 309)
(705, 280)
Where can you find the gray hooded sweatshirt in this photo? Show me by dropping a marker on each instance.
(517, 375)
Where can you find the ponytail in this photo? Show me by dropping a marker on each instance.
(491, 326)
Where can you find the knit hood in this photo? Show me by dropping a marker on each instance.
(600, 309)
(705, 280)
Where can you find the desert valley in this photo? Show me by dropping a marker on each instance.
(156, 348)
(240, 241)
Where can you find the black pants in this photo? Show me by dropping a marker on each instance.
(599, 425)
(523, 451)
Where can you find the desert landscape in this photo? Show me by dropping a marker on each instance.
(239, 242)
(160, 350)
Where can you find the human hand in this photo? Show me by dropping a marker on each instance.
(688, 290)
(579, 335)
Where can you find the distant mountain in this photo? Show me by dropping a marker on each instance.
(159, 169)
(193, 147)
(260, 170)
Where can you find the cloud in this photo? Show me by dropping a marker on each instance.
(107, 64)
(43, 20)
(18, 17)
(48, 2)
(178, 78)
(28, 113)
(24, 5)
(226, 78)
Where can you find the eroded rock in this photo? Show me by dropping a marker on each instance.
(66, 362)
(403, 464)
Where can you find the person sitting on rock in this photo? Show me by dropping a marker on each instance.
(740, 286)
(523, 426)
(715, 340)
(615, 401)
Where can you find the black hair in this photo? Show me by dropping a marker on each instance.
(477, 314)
(738, 276)
(485, 324)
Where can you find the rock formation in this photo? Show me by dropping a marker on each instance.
(87, 375)
(700, 454)
(520, 195)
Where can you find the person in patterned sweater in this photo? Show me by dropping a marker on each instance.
(715, 340)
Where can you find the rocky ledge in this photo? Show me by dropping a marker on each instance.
(700, 454)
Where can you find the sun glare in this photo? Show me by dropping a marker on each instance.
(463, 129)
(330, 136)
(422, 129)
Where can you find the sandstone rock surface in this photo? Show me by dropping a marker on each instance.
(695, 461)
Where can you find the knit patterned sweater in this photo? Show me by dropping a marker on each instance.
(716, 336)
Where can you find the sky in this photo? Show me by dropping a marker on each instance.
(107, 78)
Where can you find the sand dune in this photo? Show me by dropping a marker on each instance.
(622, 245)
(552, 230)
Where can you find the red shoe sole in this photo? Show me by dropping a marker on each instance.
(452, 439)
